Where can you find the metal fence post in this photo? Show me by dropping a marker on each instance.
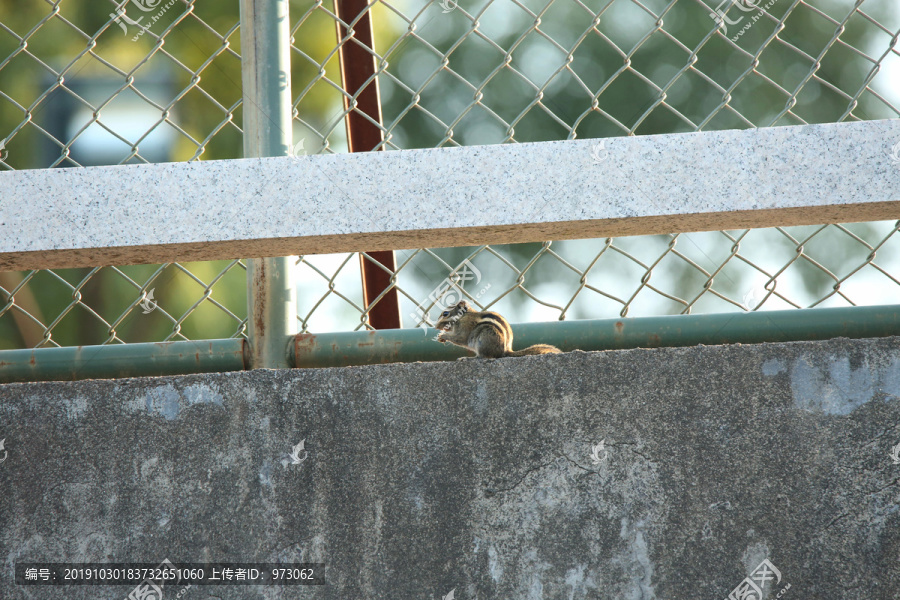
(266, 77)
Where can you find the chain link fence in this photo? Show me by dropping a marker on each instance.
(102, 82)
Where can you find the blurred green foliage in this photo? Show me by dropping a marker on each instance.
(590, 69)
(577, 77)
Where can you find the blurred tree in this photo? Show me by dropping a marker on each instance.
(539, 71)
(524, 71)
(69, 72)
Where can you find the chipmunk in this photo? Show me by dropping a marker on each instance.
(487, 334)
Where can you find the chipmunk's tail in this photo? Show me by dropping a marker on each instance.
(537, 349)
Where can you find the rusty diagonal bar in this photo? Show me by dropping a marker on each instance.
(364, 134)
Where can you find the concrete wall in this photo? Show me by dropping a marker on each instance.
(475, 479)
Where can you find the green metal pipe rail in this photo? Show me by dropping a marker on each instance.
(411, 345)
(414, 345)
(122, 360)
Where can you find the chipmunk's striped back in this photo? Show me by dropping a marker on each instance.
(487, 333)
(490, 333)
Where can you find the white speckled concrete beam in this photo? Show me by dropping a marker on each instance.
(449, 197)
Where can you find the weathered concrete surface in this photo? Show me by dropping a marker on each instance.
(477, 476)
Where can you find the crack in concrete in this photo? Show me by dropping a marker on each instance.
(488, 492)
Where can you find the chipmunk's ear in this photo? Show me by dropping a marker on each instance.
(463, 305)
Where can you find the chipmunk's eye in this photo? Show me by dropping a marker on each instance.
(446, 313)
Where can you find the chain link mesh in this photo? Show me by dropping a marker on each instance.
(107, 83)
